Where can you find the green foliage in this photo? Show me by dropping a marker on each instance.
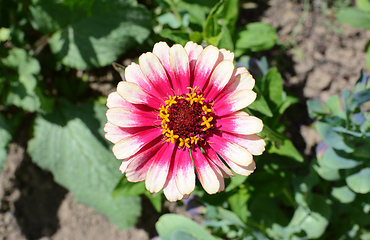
(357, 17)
(17, 77)
(173, 227)
(343, 155)
(5, 137)
(46, 48)
(270, 105)
(66, 142)
(255, 37)
(84, 38)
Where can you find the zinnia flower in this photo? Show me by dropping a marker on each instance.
(179, 109)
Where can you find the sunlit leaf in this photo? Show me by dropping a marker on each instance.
(126, 188)
(318, 219)
(336, 160)
(169, 223)
(343, 194)
(354, 17)
(360, 181)
(67, 143)
(84, 39)
(19, 73)
(332, 138)
(255, 37)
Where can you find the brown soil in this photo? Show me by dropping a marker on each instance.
(321, 62)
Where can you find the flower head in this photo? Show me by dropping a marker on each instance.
(177, 113)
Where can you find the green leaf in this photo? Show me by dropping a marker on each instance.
(198, 10)
(4, 34)
(226, 40)
(21, 68)
(273, 88)
(5, 137)
(211, 27)
(169, 223)
(176, 36)
(286, 148)
(360, 181)
(126, 188)
(235, 182)
(230, 216)
(331, 137)
(169, 19)
(363, 5)
(67, 143)
(289, 100)
(368, 57)
(343, 194)
(84, 39)
(256, 37)
(360, 98)
(336, 160)
(354, 17)
(318, 219)
(238, 203)
(260, 104)
(179, 234)
(326, 172)
(231, 14)
(316, 106)
(155, 199)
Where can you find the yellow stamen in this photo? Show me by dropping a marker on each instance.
(206, 110)
(194, 140)
(170, 101)
(199, 99)
(191, 98)
(171, 137)
(207, 123)
(184, 142)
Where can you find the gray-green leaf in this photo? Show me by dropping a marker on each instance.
(360, 181)
(67, 143)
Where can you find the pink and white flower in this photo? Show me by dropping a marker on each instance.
(179, 109)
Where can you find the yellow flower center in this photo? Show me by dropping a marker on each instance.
(186, 119)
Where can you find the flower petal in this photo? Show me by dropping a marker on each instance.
(193, 51)
(206, 175)
(115, 100)
(227, 55)
(184, 169)
(253, 143)
(219, 78)
(162, 51)
(240, 80)
(241, 170)
(240, 123)
(170, 189)
(136, 95)
(115, 133)
(130, 117)
(158, 172)
(180, 65)
(140, 163)
(132, 144)
(154, 71)
(204, 66)
(125, 164)
(134, 74)
(235, 102)
(211, 154)
(230, 150)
